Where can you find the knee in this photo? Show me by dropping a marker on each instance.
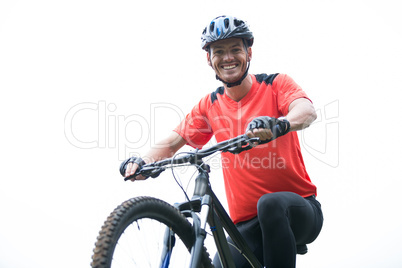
(270, 207)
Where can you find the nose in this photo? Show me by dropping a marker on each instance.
(228, 56)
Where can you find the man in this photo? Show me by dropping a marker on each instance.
(270, 195)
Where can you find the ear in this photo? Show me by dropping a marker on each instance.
(209, 59)
(250, 54)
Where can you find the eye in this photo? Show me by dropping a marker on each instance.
(236, 50)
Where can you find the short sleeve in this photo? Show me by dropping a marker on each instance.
(287, 91)
(195, 128)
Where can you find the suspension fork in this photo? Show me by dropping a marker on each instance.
(200, 223)
(200, 202)
(169, 240)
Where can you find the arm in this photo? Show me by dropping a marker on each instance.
(301, 114)
(163, 149)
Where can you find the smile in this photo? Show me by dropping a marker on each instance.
(229, 67)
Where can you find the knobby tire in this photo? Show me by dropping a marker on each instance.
(131, 213)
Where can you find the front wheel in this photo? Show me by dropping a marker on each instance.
(141, 233)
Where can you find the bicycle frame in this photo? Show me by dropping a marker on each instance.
(202, 201)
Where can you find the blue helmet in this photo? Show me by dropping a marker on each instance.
(225, 27)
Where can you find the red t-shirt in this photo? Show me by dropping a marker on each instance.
(273, 167)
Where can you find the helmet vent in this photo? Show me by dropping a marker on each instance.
(212, 26)
(225, 27)
(237, 22)
(226, 21)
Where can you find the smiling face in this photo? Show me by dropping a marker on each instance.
(229, 59)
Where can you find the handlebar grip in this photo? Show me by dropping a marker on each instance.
(135, 160)
(146, 171)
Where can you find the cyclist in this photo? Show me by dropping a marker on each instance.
(270, 195)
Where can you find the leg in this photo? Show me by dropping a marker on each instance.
(251, 231)
(287, 220)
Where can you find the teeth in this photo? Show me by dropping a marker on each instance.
(229, 67)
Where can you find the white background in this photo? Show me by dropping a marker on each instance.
(86, 83)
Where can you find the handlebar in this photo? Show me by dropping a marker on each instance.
(235, 146)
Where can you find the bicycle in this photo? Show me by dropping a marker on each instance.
(140, 217)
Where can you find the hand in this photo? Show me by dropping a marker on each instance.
(130, 166)
(267, 128)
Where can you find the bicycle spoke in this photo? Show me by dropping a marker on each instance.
(141, 245)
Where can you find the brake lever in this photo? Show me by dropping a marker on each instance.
(130, 177)
(238, 148)
(252, 140)
(150, 171)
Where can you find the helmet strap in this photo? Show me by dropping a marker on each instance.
(238, 82)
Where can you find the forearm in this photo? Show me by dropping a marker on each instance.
(301, 114)
(165, 148)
